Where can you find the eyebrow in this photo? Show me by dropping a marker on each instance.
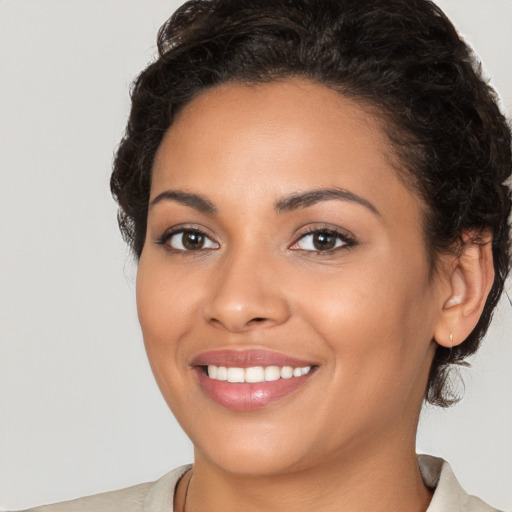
(311, 197)
(283, 205)
(195, 201)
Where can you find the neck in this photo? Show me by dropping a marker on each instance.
(380, 478)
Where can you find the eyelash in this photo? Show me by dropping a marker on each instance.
(347, 241)
(168, 235)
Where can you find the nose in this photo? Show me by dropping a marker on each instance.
(246, 295)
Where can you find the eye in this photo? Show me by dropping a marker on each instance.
(188, 240)
(322, 240)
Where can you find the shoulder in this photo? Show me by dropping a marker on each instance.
(148, 497)
(448, 493)
(129, 500)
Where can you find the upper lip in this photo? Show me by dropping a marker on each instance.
(247, 358)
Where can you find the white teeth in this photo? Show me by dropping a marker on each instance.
(236, 375)
(256, 373)
(212, 371)
(222, 373)
(286, 372)
(272, 373)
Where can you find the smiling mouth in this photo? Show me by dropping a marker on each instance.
(254, 374)
(248, 380)
(245, 389)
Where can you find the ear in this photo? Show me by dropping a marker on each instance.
(470, 278)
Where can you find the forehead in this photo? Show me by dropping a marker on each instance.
(280, 137)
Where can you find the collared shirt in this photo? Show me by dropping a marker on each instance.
(158, 496)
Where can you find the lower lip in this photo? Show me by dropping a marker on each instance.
(248, 396)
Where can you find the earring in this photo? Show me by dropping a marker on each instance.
(451, 346)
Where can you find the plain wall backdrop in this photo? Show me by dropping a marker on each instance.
(79, 410)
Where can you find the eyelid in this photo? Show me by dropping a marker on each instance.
(187, 228)
(344, 235)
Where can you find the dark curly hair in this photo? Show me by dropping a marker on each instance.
(402, 58)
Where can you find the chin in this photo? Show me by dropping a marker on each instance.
(250, 447)
(251, 461)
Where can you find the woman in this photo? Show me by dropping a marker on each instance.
(315, 191)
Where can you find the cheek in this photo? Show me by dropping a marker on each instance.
(162, 310)
(165, 299)
(377, 320)
(372, 297)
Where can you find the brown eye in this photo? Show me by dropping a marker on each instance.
(190, 240)
(322, 240)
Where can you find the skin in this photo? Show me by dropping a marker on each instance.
(366, 314)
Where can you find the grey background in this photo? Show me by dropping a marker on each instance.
(79, 411)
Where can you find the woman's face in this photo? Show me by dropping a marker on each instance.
(283, 252)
